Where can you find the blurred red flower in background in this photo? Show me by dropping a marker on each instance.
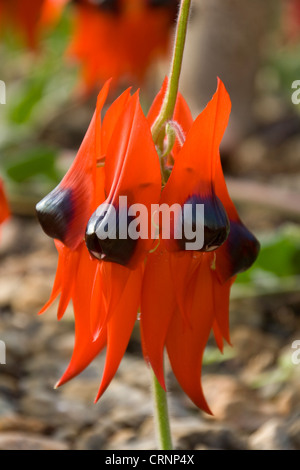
(24, 16)
(183, 295)
(291, 18)
(4, 207)
(120, 38)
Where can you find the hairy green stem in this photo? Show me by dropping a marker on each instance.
(167, 110)
(161, 416)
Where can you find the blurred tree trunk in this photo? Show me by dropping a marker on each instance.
(226, 39)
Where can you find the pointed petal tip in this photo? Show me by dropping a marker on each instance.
(200, 401)
(101, 390)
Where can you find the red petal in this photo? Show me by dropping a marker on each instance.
(218, 336)
(221, 293)
(194, 168)
(85, 349)
(120, 326)
(186, 344)
(98, 311)
(63, 257)
(81, 179)
(157, 308)
(132, 169)
(112, 116)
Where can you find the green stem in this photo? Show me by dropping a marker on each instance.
(158, 134)
(167, 110)
(161, 415)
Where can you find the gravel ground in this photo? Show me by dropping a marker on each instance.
(254, 393)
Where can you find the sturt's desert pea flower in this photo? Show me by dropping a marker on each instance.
(120, 38)
(180, 295)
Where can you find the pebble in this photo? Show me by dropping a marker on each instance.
(22, 441)
(272, 435)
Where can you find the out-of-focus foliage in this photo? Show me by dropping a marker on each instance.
(277, 268)
(38, 86)
(285, 67)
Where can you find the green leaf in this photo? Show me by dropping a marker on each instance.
(33, 162)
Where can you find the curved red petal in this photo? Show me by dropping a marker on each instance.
(111, 118)
(186, 344)
(184, 266)
(58, 281)
(157, 307)
(120, 325)
(85, 348)
(194, 168)
(81, 178)
(221, 294)
(133, 171)
(98, 310)
(218, 336)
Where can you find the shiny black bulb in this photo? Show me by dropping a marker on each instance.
(55, 213)
(215, 224)
(104, 239)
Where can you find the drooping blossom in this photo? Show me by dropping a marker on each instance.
(181, 295)
(120, 38)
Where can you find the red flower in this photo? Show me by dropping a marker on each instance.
(182, 294)
(120, 38)
(4, 208)
(291, 17)
(24, 16)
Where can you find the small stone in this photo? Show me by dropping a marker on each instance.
(126, 439)
(190, 433)
(22, 441)
(7, 407)
(272, 435)
(293, 429)
(14, 422)
(232, 401)
(97, 437)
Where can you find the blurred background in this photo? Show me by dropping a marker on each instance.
(54, 56)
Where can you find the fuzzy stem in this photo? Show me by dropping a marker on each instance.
(161, 415)
(167, 109)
